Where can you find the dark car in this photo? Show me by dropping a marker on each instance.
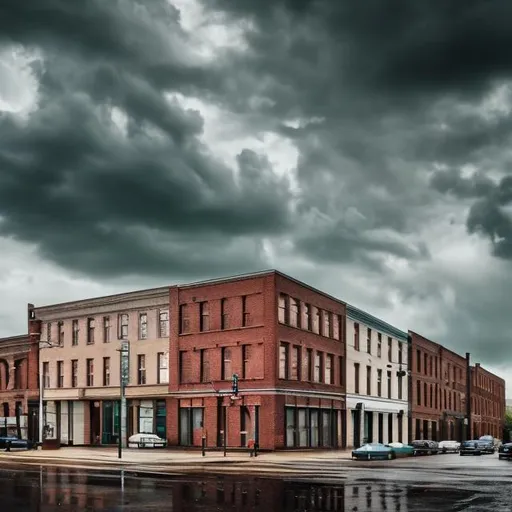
(8, 442)
(487, 444)
(505, 451)
(472, 447)
(425, 447)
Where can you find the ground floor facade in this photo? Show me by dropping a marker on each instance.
(486, 426)
(19, 413)
(375, 420)
(436, 427)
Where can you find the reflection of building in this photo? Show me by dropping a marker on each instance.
(377, 400)
(283, 339)
(19, 386)
(80, 359)
(487, 403)
(438, 391)
(376, 497)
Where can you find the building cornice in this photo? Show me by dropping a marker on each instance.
(358, 315)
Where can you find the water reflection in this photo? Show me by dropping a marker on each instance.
(48, 489)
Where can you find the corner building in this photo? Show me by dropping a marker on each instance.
(377, 390)
(284, 340)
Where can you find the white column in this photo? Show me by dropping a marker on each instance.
(385, 430)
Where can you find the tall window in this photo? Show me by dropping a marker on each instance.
(356, 336)
(308, 320)
(246, 315)
(318, 367)
(369, 340)
(163, 324)
(390, 349)
(204, 317)
(106, 329)
(401, 354)
(60, 334)
(341, 368)
(74, 373)
(327, 324)
(336, 328)
(204, 367)
(226, 363)
(379, 382)
(294, 312)
(418, 392)
(379, 344)
(308, 370)
(368, 380)
(183, 319)
(246, 355)
(90, 331)
(283, 312)
(143, 326)
(60, 374)
(316, 320)
(90, 372)
(389, 384)
(224, 320)
(46, 374)
(141, 367)
(283, 361)
(329, 368)
(123, 326)
(74, 340)
(295, 366)
(49, 332)
(163, 368)
(106, 371)
(418, 361)
(400, 388)
(356, 377)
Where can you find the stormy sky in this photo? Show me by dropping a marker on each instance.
(363, 147)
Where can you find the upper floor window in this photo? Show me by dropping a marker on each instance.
(183, 319)
(379, 344)
(390, 349)
(316, 320)
(46, 374)
(336, 327)
(123, 326)
(329, 369)
(327, 324)
(283, 361)
(418, 362)
(106, 371)
(400, 353)
(49, 332)
(60, 374)
(294, 312)
(356, 377)
(356, 336)
(226, 371)
(369, 340)
(246, 315)
(90, 372)
(74, 373)
(283, 309)
(204, 365)
(379, 382)
(163, 368)
(60, 334)
(75, 332)
(163, 324)
(143, 326)
(141, 369)
(224, 319)
(295, 366)
(318, 367)
(106, 329)
(204, 316)
(90, 331)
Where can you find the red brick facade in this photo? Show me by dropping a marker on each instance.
(487, 403)
(231, 326)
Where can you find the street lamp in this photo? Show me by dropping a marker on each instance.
(124, 378)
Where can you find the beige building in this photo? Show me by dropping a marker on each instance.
(80, 364)
(376, 380)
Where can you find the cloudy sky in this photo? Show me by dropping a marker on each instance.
(363, 147)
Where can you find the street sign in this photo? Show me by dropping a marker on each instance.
(125, 362)
(234, 384)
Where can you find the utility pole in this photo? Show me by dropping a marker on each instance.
(468, 395)
(124, 378)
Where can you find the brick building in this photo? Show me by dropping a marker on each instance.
(487, 403)
(437, 391)
(285, 342)
(19, 388)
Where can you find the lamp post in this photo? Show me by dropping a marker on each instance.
(124, 378)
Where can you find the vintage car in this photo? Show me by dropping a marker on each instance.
(13, 442)
(505, 451)
(146, 441)
(374, 451)
(449, 446)
(425, 447)
(401, 450)
(487, 444)
(472, 447)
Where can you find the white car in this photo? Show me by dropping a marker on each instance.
(449, 446)
(146, 441)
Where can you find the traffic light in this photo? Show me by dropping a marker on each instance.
(234, 384)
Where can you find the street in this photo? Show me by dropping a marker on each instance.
(436, 483)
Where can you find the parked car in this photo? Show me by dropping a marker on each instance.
(425, 447)
(146, 441)
(473, 447)
(374, 451)
(449, 446)
(505, 451)
(13, 442)
(487, 444)
(401, 450)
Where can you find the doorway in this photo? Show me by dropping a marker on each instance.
(95, 415)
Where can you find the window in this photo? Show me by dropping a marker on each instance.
(74, 373)
(106, 329)
(309, 365)
(163, 324)
(141, 367)
(356, 378)
(49, 331)
(336, 329)
(356, 337)
(246, 316)
(60, 374)
(379, 344)
(204, 317)
(123, 326)
(425, 364)
(60, 334)
(369, 340)
(106, 371)
(327, 329)
(90, 331)
(368, 380)
(418, 392)
(295, 368)
(316, 320)
(425, 394)
(379, 382)
(400, 387)
(46, 374)
(283, 309)
(390, 349)
(90, 372)
(436, 397)
(318, 367)
(226, 372)
(418, 361)
(329, 368)
(184, 321)
(431, 398)
(74, 340)
(341, 368)
(163, 368)
(294, 312)
(400, 353)
(143, 326)
(389, 384)
(181, 364)
(224, 320)
(283, 361)
(308, 322)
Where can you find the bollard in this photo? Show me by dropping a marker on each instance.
(255, 449)
(8, 446)
(203, 446)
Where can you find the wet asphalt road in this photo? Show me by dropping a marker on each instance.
(440, 483)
